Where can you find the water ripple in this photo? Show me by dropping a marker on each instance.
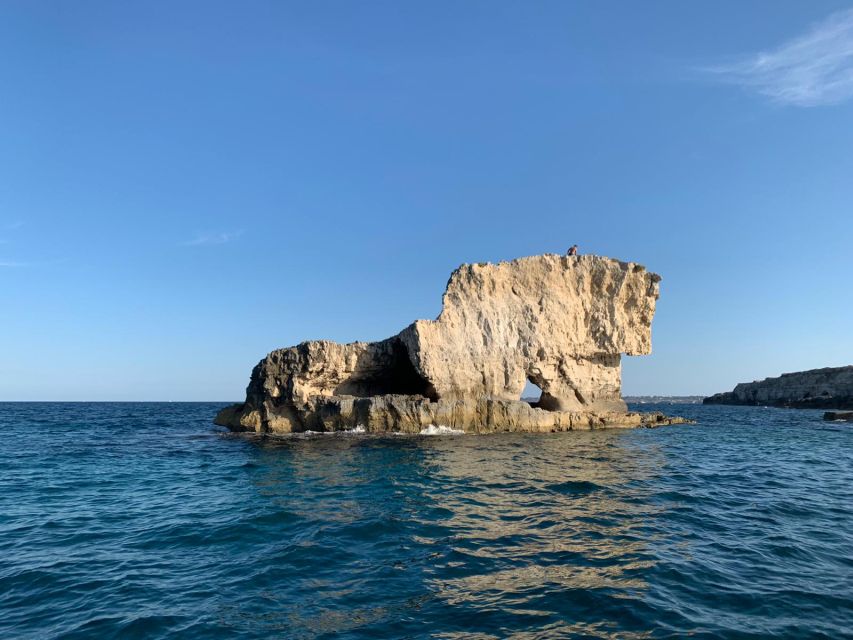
(142, 520)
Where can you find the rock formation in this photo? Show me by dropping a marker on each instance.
(560, 322)
(829, 388)
(838, 416)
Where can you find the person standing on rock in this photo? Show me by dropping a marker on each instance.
(573, 250)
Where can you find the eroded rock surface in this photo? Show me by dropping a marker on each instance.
(828, 388)
(560, 322)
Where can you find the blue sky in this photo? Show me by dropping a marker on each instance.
(185, 186)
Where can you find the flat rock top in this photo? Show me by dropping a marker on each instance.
(578, 305)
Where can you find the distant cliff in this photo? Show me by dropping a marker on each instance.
(559, 322)
(829, 388)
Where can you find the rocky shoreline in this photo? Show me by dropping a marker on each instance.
(827, 388)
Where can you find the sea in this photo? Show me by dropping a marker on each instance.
(144, 520)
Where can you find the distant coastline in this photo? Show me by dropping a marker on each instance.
(663, 399)
(827, 388)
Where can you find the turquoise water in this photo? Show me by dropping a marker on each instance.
(146, 521)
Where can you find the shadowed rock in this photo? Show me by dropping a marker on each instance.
(559, 322)
(835, 416)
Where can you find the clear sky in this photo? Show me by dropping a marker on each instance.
(185, 186)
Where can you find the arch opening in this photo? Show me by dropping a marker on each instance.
(532, 394)
(535, 395)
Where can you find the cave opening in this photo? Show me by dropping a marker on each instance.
(398, 376)
(403, 378)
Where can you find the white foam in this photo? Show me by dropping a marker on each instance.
(440, 430)
(359, 428)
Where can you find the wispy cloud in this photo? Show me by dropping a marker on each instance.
(11, 265)
(11, 226)
(813, 69)
(213, 238)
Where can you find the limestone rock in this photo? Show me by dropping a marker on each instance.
(828, 388)
(561, 322)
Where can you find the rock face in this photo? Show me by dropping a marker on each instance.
(829, 388)
(560, 322)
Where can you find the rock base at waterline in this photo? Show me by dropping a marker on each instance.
(408, 414)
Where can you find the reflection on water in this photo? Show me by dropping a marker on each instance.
(515, 529)
(543, 515)
(141, 521)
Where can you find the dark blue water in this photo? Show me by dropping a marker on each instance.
(145, 521)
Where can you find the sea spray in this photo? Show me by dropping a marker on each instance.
(440, 430)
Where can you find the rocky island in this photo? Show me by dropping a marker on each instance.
(828, 388)
(560, 322)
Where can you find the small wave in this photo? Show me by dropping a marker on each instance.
(358, 429)
(440, 430)
(720, 532)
